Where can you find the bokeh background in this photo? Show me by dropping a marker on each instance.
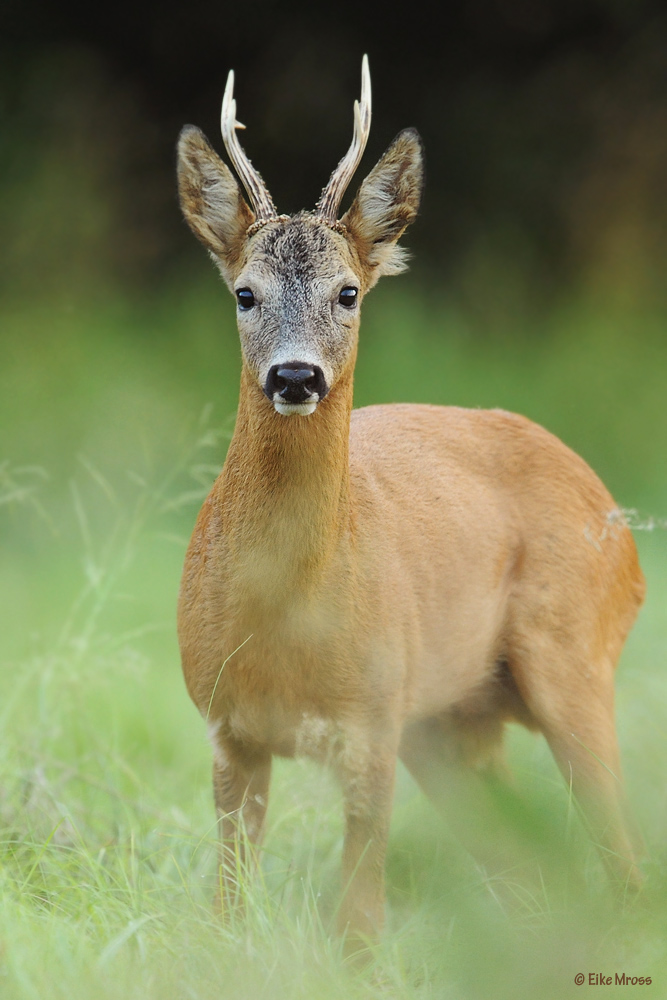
(538, 284)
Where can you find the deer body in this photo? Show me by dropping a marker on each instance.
(393, 581)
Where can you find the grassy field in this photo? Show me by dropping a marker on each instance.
(115, 417)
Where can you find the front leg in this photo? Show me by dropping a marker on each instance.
(367, 772)
(241, 791)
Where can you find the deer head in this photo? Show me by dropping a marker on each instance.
(299, 281)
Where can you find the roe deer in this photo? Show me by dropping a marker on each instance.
(395, 581)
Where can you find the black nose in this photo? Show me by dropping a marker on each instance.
(295, 382)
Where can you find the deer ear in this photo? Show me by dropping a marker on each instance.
(211, 201)
(385, 205)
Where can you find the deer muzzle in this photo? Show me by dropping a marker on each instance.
(295, 388)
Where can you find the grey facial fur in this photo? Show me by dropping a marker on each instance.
(296, 271)
(297, 267)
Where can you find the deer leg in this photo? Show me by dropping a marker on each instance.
(367, 774)
(572, 702)
(460, 783)
(241, 788)
(589, 762)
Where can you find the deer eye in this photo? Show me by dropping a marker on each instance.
(245, 298)
(348, 297)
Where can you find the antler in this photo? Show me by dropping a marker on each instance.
(261, 200)
(332, 195)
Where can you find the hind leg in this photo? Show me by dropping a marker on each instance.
(459, 766)
(572, 702)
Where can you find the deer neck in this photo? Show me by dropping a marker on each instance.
(284, 490)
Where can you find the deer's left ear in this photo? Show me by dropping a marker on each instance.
(385, 205)
(212, 202)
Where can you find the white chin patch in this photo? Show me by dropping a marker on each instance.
(295, 409)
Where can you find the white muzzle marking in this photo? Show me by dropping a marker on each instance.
(295, 409)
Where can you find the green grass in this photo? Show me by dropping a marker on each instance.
(107, 854)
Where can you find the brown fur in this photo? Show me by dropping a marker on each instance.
(392, 581)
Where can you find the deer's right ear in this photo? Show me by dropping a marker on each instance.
(211, 201)
(385, 205)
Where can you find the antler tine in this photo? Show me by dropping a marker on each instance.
(260, 198)
(332, 195)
